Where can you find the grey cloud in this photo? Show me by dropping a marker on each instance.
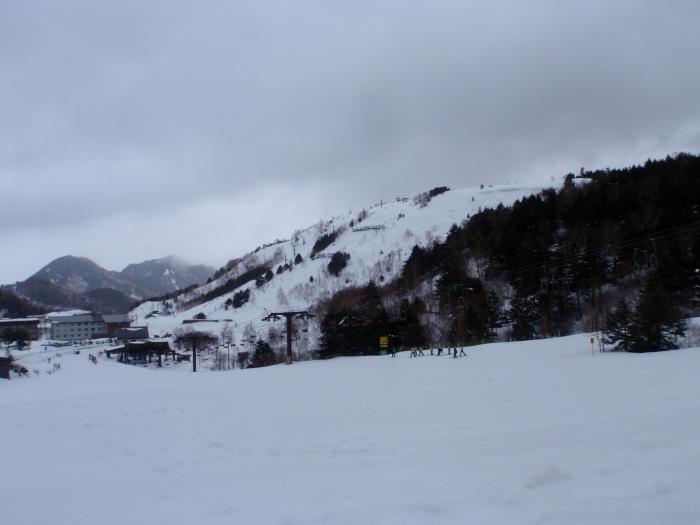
(117, 107)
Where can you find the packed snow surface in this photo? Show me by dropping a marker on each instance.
(534, 432)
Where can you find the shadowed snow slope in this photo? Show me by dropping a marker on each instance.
(534, 432)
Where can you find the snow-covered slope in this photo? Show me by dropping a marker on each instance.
(376, 254)
(539, 432)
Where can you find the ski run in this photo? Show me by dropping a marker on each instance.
(533, 432)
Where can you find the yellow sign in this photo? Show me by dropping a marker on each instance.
(384, 342)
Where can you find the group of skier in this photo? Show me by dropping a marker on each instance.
(416, 352)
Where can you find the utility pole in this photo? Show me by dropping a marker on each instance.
(275, 316)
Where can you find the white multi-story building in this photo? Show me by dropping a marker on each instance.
(78, 327)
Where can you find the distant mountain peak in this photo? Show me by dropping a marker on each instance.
(166, 274)
(74, 281)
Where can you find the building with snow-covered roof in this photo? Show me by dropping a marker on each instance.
(113, 322)
(77, 327)
(28, 324)
(133, 333)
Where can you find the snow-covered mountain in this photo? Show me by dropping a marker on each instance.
(164, 275)
(80, 275)
(378, 239)
(71, 281)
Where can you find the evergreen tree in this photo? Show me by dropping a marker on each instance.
(522, 315)
(556, 308)
(22, 338)
(240, 298)
(494, 312)
(694, 273)
(8, 337)
(338, 261)
(410, 330)
(657, 321)
(474, 322)
(376, 319)
(263, 355)
(343, 333)
(371, 301)
(322, 243)
(330, 340)
(416, 266)
(619, 327)
(298, 259)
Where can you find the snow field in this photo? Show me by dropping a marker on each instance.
(533, 432)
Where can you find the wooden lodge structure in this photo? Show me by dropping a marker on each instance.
(144, 352)
(28, 324)
(131, 334)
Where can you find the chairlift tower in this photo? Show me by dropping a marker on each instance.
(275, 316)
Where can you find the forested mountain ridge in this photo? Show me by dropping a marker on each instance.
(547, 265)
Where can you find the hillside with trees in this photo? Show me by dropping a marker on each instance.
(12, 305)
(557, 262)
(455, 267)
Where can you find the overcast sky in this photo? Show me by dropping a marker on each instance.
(135, 129)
